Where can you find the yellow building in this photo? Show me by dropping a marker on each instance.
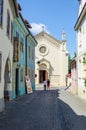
(51, 59)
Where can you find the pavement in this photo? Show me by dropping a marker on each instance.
(74, 101)
(41, 87)
(74, 110)
(55, 109)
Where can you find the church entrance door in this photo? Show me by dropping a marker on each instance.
(42, 75)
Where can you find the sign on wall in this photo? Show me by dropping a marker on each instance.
(28, 84)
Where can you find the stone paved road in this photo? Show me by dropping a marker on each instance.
(44, 110)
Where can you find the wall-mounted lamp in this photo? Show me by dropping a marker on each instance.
(18, 65)
(38, 62)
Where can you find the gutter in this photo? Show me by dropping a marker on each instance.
(26, 59)
(16, 8)
(80, 18)
(26, 52)
(28, 30)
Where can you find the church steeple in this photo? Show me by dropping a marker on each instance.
(63, 36)
(63, 41)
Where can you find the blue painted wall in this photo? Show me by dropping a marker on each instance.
(20, 29)
(31, 62)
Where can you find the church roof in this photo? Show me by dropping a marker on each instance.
(44, 34)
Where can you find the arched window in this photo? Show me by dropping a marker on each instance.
(8, 23)
(1, 12)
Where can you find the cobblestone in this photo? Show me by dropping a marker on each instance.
(45, 110)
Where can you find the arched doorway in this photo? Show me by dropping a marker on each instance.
(43, 74)
(7, 79)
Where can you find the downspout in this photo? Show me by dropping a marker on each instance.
(26, 58)
(26, 53)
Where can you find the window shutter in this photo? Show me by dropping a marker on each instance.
(15, 51)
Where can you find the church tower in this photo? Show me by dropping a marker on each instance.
(63, 41)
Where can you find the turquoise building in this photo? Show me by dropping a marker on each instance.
(23, 57)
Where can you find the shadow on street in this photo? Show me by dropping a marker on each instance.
(41, 110)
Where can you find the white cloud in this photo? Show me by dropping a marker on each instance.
(36, 28)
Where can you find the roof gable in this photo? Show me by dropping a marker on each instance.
(48, 37)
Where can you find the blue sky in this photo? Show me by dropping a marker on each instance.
(54, 15)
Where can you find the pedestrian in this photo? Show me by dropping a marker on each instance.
(69, 84)
(45, 84)
(48, 84)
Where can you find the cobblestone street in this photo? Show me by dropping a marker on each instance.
(45, 110)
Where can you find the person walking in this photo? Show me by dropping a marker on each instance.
(70, 80)
(48, 84)
(45, 84)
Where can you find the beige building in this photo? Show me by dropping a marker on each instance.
(80, 28)
(51, 59)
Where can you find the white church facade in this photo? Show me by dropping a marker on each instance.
(51, 59)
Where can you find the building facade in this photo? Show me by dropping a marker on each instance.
(17, 52)
(73, 76)
(80, 28)
(18, 67)
(51, 59)
(8, 11)
(23, 57)
(31, 44)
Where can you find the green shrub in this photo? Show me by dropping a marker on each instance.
(85, 82)
(84, 62)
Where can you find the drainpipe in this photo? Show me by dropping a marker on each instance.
(26, 58)
(26, 53)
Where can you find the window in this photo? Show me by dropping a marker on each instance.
(29, 72)
(29, 51)
(22, 45)
(42, 49)
(11, 31)
(0, 64)
(1, 12)
(21, 74)
(8, 23)
(32, 54)
(84, 59)
(17, 35)
(15, 50)
(33, 74)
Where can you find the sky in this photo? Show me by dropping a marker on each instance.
(55, 16)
